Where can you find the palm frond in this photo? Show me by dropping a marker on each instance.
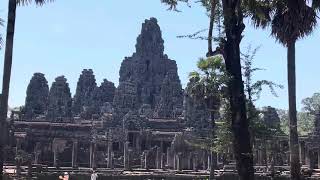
(1, 40)
(257, 87)
(173, 4)
(195, 35)
(291, 24)
(37, 2)
(316, 5)
(259, 11)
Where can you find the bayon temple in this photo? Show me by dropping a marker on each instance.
(145, 122)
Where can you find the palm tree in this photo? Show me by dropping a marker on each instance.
(208, 85)
(290, 21)
(293, 19)
(7, 67)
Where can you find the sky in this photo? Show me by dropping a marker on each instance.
(64, 37)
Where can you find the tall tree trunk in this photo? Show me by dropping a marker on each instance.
(234, 26)
(293, 132)
(210, 34)
(212, 155)
(6, 76)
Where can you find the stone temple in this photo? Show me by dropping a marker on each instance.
(145, 122)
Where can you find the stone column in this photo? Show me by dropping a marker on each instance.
(189, 161)
(75, 154)
(169, 158)
(302, 152)
(138, 143)
(55, 158)
(175, 161)
(162, 165)
(318, 158)
(158, 157)
(260, 157)
(148, 142)
(209, 163)
(146, 164)
(37, 152)
(18, 144)
(18, 160)
(161, 146)
(92, 155)
(126, 155)
(204, 161)
(179, 161)
(308, 160)
(36, 157)
(29, 163)
(195, 162)
(110, 159)
(264, 153)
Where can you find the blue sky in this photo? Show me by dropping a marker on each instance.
(64, 37)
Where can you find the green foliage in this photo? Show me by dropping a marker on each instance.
(311, 105)
(290, 20)
(208, 85)
(209, 82)
(254, 89)
(224, 135)
(305, 122)
(284, 120)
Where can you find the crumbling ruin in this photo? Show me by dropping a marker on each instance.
(148, 121)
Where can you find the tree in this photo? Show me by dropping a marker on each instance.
(208, 85)
(312, 104)
(7, 67)
(230, 49)
(253, 90)
(290, 21)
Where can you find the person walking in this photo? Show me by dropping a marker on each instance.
(94, 175)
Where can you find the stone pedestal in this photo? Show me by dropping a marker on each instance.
(75, 154)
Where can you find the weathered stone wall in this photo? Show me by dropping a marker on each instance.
(152, 77)
(60, 100)
(37, 96)
(85, 87)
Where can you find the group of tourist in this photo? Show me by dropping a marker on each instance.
(66, 176)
